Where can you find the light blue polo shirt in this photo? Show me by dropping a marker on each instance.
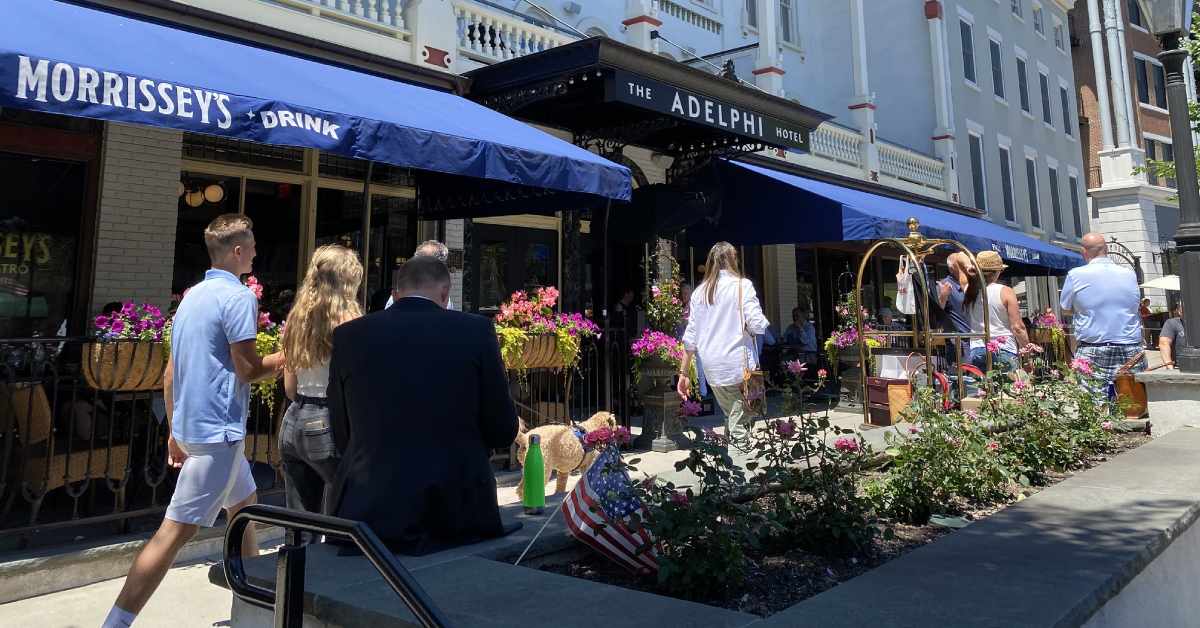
(1104, 299)
(210, 403)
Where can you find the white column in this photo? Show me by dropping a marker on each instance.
(943, 133)
(641, 17)
(1119, 79)
(1102, 86)
(1128, 76)
(768, 67)
(862, 103)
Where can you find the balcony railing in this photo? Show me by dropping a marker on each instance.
(492, 35)
(386, 16)
(913, 167)
(74, 457)
(837, 143)
(688, 16)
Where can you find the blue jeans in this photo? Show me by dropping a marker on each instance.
(1004, 360)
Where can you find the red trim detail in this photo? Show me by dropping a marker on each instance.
(768, 70)
(643, 19)
(438, 57)
(942, 137)
(862, 105)
(933, 10)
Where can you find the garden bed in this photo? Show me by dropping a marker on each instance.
(777, 581)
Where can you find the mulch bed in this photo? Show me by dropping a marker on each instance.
(776, 582)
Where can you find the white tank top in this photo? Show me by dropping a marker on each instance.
(998, 323)
(311, 382)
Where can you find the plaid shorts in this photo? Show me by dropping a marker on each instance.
(1107, 360)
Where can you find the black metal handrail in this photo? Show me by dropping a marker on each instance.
(287, 600)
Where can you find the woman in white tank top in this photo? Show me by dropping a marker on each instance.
(327, 298)
(1004, 320)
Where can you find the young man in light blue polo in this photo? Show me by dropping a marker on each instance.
(213, 362)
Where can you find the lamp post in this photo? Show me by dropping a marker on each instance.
(1169, 20)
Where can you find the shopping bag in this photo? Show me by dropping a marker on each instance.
(906, 300)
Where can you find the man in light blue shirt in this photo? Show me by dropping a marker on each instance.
(207, 388)
(1104, 299)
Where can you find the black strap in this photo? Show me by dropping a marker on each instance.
(320, 402)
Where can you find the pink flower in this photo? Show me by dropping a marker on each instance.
(1082, 365)
(822, 373)
(1107, 426)
(621, 435)
(117, 326)
(654, 291)
(102, 322)
(971, 414)
(785, 428)
(680, 498)
(264, 320)
(255, 287)
(796, 367)
(995, 344)
(993, 446)
(846, 443)
(1020, 385)
(914, 429)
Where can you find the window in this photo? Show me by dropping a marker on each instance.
(1151, 153)
(1023, 84)
(1045, 85)
(1143, 81)
(1060, 39)
(1160, 85)
(1055, 202)
(1073, 181)
(997, 69)
(752, 13)
(968, 51)
(1035, 210)
(1159, 150)
(978, 180)
(1066, 110)
(1135, 13)
(1017, 9)
(1006, 183)
(1039, 21)
(787, 20)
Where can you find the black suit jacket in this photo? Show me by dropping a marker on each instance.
(417, 397)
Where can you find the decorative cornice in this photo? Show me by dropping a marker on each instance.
(768, 70)
(643, 19)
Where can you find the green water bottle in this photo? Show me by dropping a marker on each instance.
(533, 477)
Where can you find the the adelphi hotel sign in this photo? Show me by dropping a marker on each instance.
(639, 91)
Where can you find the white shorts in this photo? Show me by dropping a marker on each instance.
(214, 476)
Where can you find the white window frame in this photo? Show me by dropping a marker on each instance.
(1019, 12)
(1070, 107)
(746, 24)
(1080, 198)
(1135, 26)
(1019, 53)
(1005, 142)
(965, 17)
(793, 25)
(1048, 103)
(976, 130)
(1039, 19)
(1059, 27)
(1052, 164)
(1032, 154)
(1159, 156)
(994, 37)
(1140, 56)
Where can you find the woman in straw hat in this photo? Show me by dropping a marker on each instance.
(1007, 330)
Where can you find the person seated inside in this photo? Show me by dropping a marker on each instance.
(417, 399)
(1172, 337)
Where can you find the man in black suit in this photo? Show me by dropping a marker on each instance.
(417, 397)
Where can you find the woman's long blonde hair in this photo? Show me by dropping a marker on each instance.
(722, 256)
(327, 298)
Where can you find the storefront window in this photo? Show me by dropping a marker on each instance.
(393, 233)
(41, 201)
(204, 197)
(275, 210)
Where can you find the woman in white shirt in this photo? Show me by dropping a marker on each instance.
(1004, 315)
(327, 298)
(720, 331)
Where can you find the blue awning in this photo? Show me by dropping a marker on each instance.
(764, 206)
(79, 61)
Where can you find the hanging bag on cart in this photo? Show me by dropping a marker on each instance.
(754, 381)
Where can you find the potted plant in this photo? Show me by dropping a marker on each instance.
(656, 359)
(533, 336)
(127, 354)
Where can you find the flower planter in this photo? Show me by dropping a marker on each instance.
(124, 366)
(539, 352)
(655, 376)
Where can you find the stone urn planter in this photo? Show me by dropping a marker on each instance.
(655, 376)
(124, 366)
(539, 352)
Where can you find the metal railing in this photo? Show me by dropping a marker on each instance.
(287, 600)
(83, 435)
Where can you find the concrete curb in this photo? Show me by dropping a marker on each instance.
(42, 571)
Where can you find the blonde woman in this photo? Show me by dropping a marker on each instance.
(327, 298)
(720, 331)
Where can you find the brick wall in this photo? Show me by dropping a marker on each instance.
(135, 249)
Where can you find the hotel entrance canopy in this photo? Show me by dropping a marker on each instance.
(74, 60)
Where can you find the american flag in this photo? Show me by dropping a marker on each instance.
(597, 512)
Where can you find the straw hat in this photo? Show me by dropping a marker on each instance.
(990, 261)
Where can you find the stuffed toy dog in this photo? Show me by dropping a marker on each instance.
(562, 448)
